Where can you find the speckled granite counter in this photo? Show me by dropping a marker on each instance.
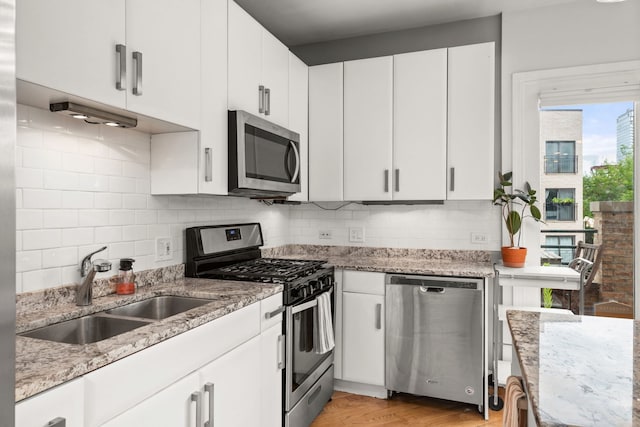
(579, 370)
(43, 364)
(459, 263)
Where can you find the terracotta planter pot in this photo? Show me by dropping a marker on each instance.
(513, 257)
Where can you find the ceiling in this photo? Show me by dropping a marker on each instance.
(297, 22)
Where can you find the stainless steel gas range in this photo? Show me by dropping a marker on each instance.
(232, 252)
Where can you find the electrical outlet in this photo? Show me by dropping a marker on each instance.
(324, 234)
(164, 249)
(479, 238)
(356, 234)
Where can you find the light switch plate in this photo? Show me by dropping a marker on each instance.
(164, 249)
(356, 234)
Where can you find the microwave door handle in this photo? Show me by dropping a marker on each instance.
(297, 171)
(286, 161)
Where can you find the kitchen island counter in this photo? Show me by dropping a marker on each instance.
(578, 370)
(42, 364)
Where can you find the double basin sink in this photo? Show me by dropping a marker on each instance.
(116, 321)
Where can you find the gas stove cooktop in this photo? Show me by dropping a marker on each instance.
(267, 270)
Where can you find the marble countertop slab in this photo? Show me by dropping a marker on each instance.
(579, 370)
(457, 263)
(43, 364)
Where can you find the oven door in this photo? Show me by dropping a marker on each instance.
(304, 366)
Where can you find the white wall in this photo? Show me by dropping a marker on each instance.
(446, 226)
(82, 186)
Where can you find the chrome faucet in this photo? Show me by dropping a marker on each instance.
(88, 270)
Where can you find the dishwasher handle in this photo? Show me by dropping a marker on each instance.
(432, 289)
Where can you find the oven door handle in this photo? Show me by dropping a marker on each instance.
(308, 304)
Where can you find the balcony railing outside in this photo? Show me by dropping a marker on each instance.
(560, 164)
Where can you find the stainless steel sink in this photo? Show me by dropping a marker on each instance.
(86, 330)
(158, 308)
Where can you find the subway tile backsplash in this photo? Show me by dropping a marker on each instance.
(81, 186)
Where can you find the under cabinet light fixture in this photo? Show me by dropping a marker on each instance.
(93, 115)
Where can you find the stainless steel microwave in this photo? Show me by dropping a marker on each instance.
(264, 158)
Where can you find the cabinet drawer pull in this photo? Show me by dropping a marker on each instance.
(386, 180)
(137, 81)
(274, 313)
(267, 101)
(121, 67)
(261, 99)
(207, 165)
(378, 316)
(210, 389)
(195, 397)
(281, 343)
(452, 179)
(397, 179)
(57, 422)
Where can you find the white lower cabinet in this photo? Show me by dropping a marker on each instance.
(172, 406)
(230, 387)
(272, 363)
(62, 403)
(363, 327)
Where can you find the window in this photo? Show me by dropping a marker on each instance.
(562, 246)
(560, 204)
(560, 157)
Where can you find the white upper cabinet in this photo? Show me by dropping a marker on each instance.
(299, 119)
(326, 132)
(471, 85)
(368, 128)
(163, 47)
(420, 125)
(120, 53)
(258, 68)
(70, 45)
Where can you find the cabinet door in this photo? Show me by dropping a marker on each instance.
(70, 45)
(167, 34)
(363, 338)
(235, 390)
(471, 122)
(272, 363)
(172, 406)
(299, 119)
(326, 132)
(368, 131)
(245, 60)
(275, 78)
(64, 401)
(420, 125)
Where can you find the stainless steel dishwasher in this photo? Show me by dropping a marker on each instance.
(434, 337)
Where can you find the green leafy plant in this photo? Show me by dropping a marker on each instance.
(547, 297)
(562, 200)
(515, 204)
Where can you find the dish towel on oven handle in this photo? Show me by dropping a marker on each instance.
(323, 331)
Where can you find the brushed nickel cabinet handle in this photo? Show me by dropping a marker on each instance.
(267, 101)
(281, 342)
(210, 388)
(386, 180)
(378, 316)
(121, 67)
(274, 313)
(452, 179)
(397, 180)
(195, 397)
(137, 81)
(57, 422)
(208, 172)
(261, 99)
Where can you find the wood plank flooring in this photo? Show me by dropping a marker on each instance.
(402, 410)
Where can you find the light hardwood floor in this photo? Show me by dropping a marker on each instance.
(402, 410)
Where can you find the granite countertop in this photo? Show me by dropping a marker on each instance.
(579, 370)
(456, 263)
(43, 364)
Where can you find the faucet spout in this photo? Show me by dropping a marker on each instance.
(88, 270)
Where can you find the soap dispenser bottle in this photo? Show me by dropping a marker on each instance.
(126, 279)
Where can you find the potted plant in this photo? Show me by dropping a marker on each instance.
(516, 206)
